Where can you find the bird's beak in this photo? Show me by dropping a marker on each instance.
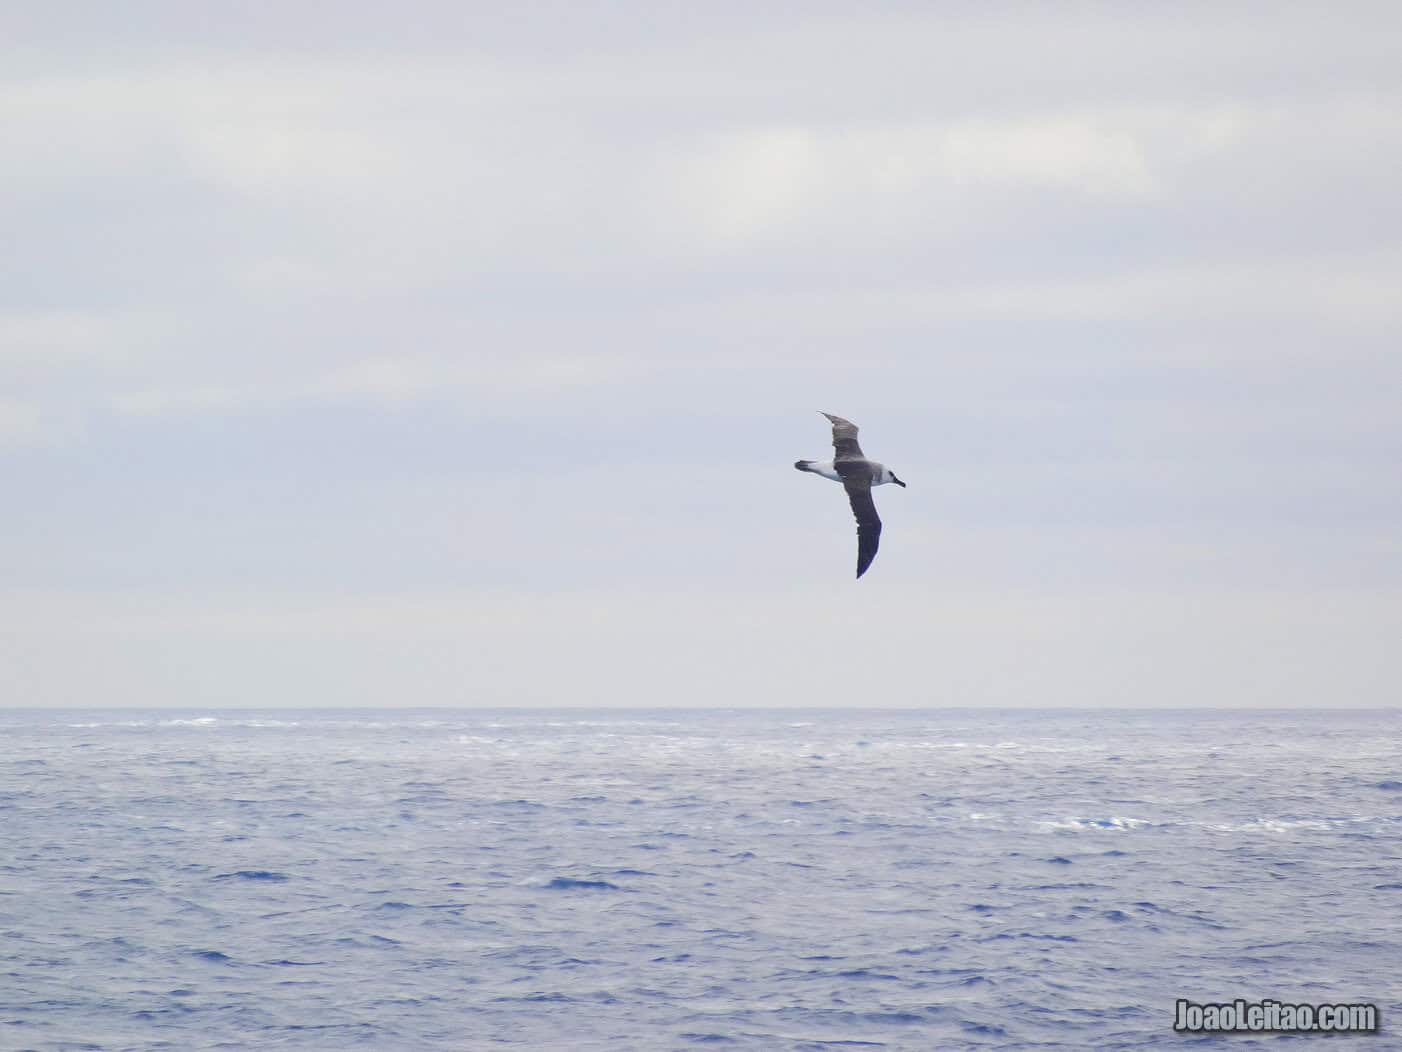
(899, 483)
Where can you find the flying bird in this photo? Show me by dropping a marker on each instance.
(857, 474)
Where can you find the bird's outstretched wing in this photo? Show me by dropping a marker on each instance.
(844, 438)
(868, 522)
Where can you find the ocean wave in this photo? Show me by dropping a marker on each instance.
(1110, 822)
(1293, 825)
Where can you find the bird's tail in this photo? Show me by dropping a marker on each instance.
(803, 465)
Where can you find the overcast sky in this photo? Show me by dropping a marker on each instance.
(457, 354)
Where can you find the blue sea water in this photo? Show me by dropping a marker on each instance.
(621, 879)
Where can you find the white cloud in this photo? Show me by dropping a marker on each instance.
(1076, 154)
(21, 423)
(185, 400)
(761, 184)
(60, 339)
(470, 377)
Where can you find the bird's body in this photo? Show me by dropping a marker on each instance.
(858, 475)
(879, 473)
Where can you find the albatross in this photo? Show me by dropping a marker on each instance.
(857, 474)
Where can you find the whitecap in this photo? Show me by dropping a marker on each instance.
(1114, 822)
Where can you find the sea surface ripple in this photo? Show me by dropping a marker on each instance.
(664, 879)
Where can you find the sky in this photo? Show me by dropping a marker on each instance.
(457, 354)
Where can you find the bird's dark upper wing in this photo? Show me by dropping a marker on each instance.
(868, 522)
(844, 438)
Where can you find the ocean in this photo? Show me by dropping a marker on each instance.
(662, 879)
